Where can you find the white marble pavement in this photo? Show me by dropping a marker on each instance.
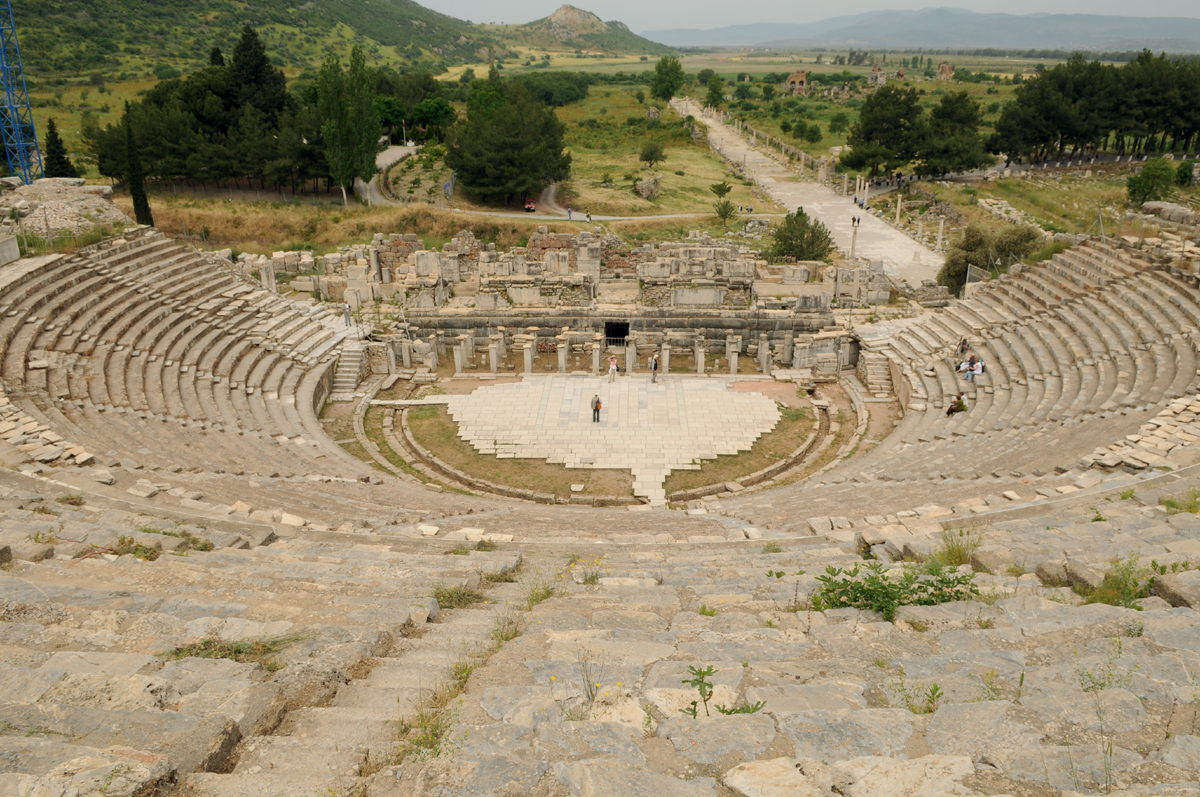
(650, 429)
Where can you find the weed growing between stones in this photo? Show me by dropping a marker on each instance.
(918, 699)
(648, 727)
(190, 541)
(871, 587)
(1015, 570)
(71, 499)
(1176, 567)
(485, 545)
(259, 651)
(1188, 502)
(1097, 515)
(772, 547)
(588, 573)
(699, 681)
(456, 597)
(537, 590)
(428, 733)
(707, 612)
(128, 545)
(957, 547)
(459, 550)
(988, 688)
(499, 578)
(1127, 494)
(1125, 582)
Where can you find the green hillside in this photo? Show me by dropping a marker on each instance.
(126, 39)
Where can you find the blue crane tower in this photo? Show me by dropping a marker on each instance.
(16, 115)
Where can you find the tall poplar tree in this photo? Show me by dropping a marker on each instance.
(349, 119)
(134, 176)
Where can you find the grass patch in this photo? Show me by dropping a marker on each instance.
(456, 597)
(537, 591)
(485, 545)
(261, 651)
(499, 578)
(772, 547)
(71, 499)
(956, 547)
(1188, 502)
(436, 431)
(373, 426)
(795, 423)
(459, 550)
(190, 541)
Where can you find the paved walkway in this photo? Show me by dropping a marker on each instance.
(903, 258)
(650, 429)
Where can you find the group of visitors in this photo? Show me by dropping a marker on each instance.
(613, 369)
(570, 215)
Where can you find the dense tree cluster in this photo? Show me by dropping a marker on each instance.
(509, 146)
(986, 248)
(1151, 104)
(220, 123)
(894, 130)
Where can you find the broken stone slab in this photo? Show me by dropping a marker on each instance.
(143, 490)
(1179, 589)
(776, 777)
(605, 777)
(190, 743)
(102, 476)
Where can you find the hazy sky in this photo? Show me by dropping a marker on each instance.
(661, 14)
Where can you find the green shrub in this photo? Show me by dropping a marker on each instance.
(870, 587)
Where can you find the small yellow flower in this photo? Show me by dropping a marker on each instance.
(552, 678)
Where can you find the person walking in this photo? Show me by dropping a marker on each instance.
(596, 408)
(568, 212)
(589, 217)
(346, 312)
(654, 368)
(612, 369)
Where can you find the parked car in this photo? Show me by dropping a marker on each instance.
(530, 205)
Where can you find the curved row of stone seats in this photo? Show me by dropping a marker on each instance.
(100, 689)
(141, 331)
(1034, 691)
(1125, 342)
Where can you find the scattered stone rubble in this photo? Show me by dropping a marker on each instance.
(54, 205)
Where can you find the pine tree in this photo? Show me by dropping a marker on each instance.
(56, 164)
(215, 58)
(137, 188)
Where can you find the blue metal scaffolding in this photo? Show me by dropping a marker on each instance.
(16, 115)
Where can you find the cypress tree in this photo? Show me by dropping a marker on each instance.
(215, 58)
(57, 164)
(137, 188)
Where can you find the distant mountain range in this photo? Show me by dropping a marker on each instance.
(955, 29)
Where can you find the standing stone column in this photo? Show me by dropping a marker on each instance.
(528, 350)
(433, 350)
(941, 227)
(440, 343)
(899, 204)
(630, 356)
(764, 353)
(700, 346)
(406, 352)
(664, 360)
(376, 272)
(597, 348)
(494, 355)
(733, 348)
(431, 361)
(789, 342)
(391, 355)
(564, 346)
(458, 360)
(502, 342)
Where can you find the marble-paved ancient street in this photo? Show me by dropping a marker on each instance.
(648, 428)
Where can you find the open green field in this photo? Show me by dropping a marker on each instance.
(605, 135)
